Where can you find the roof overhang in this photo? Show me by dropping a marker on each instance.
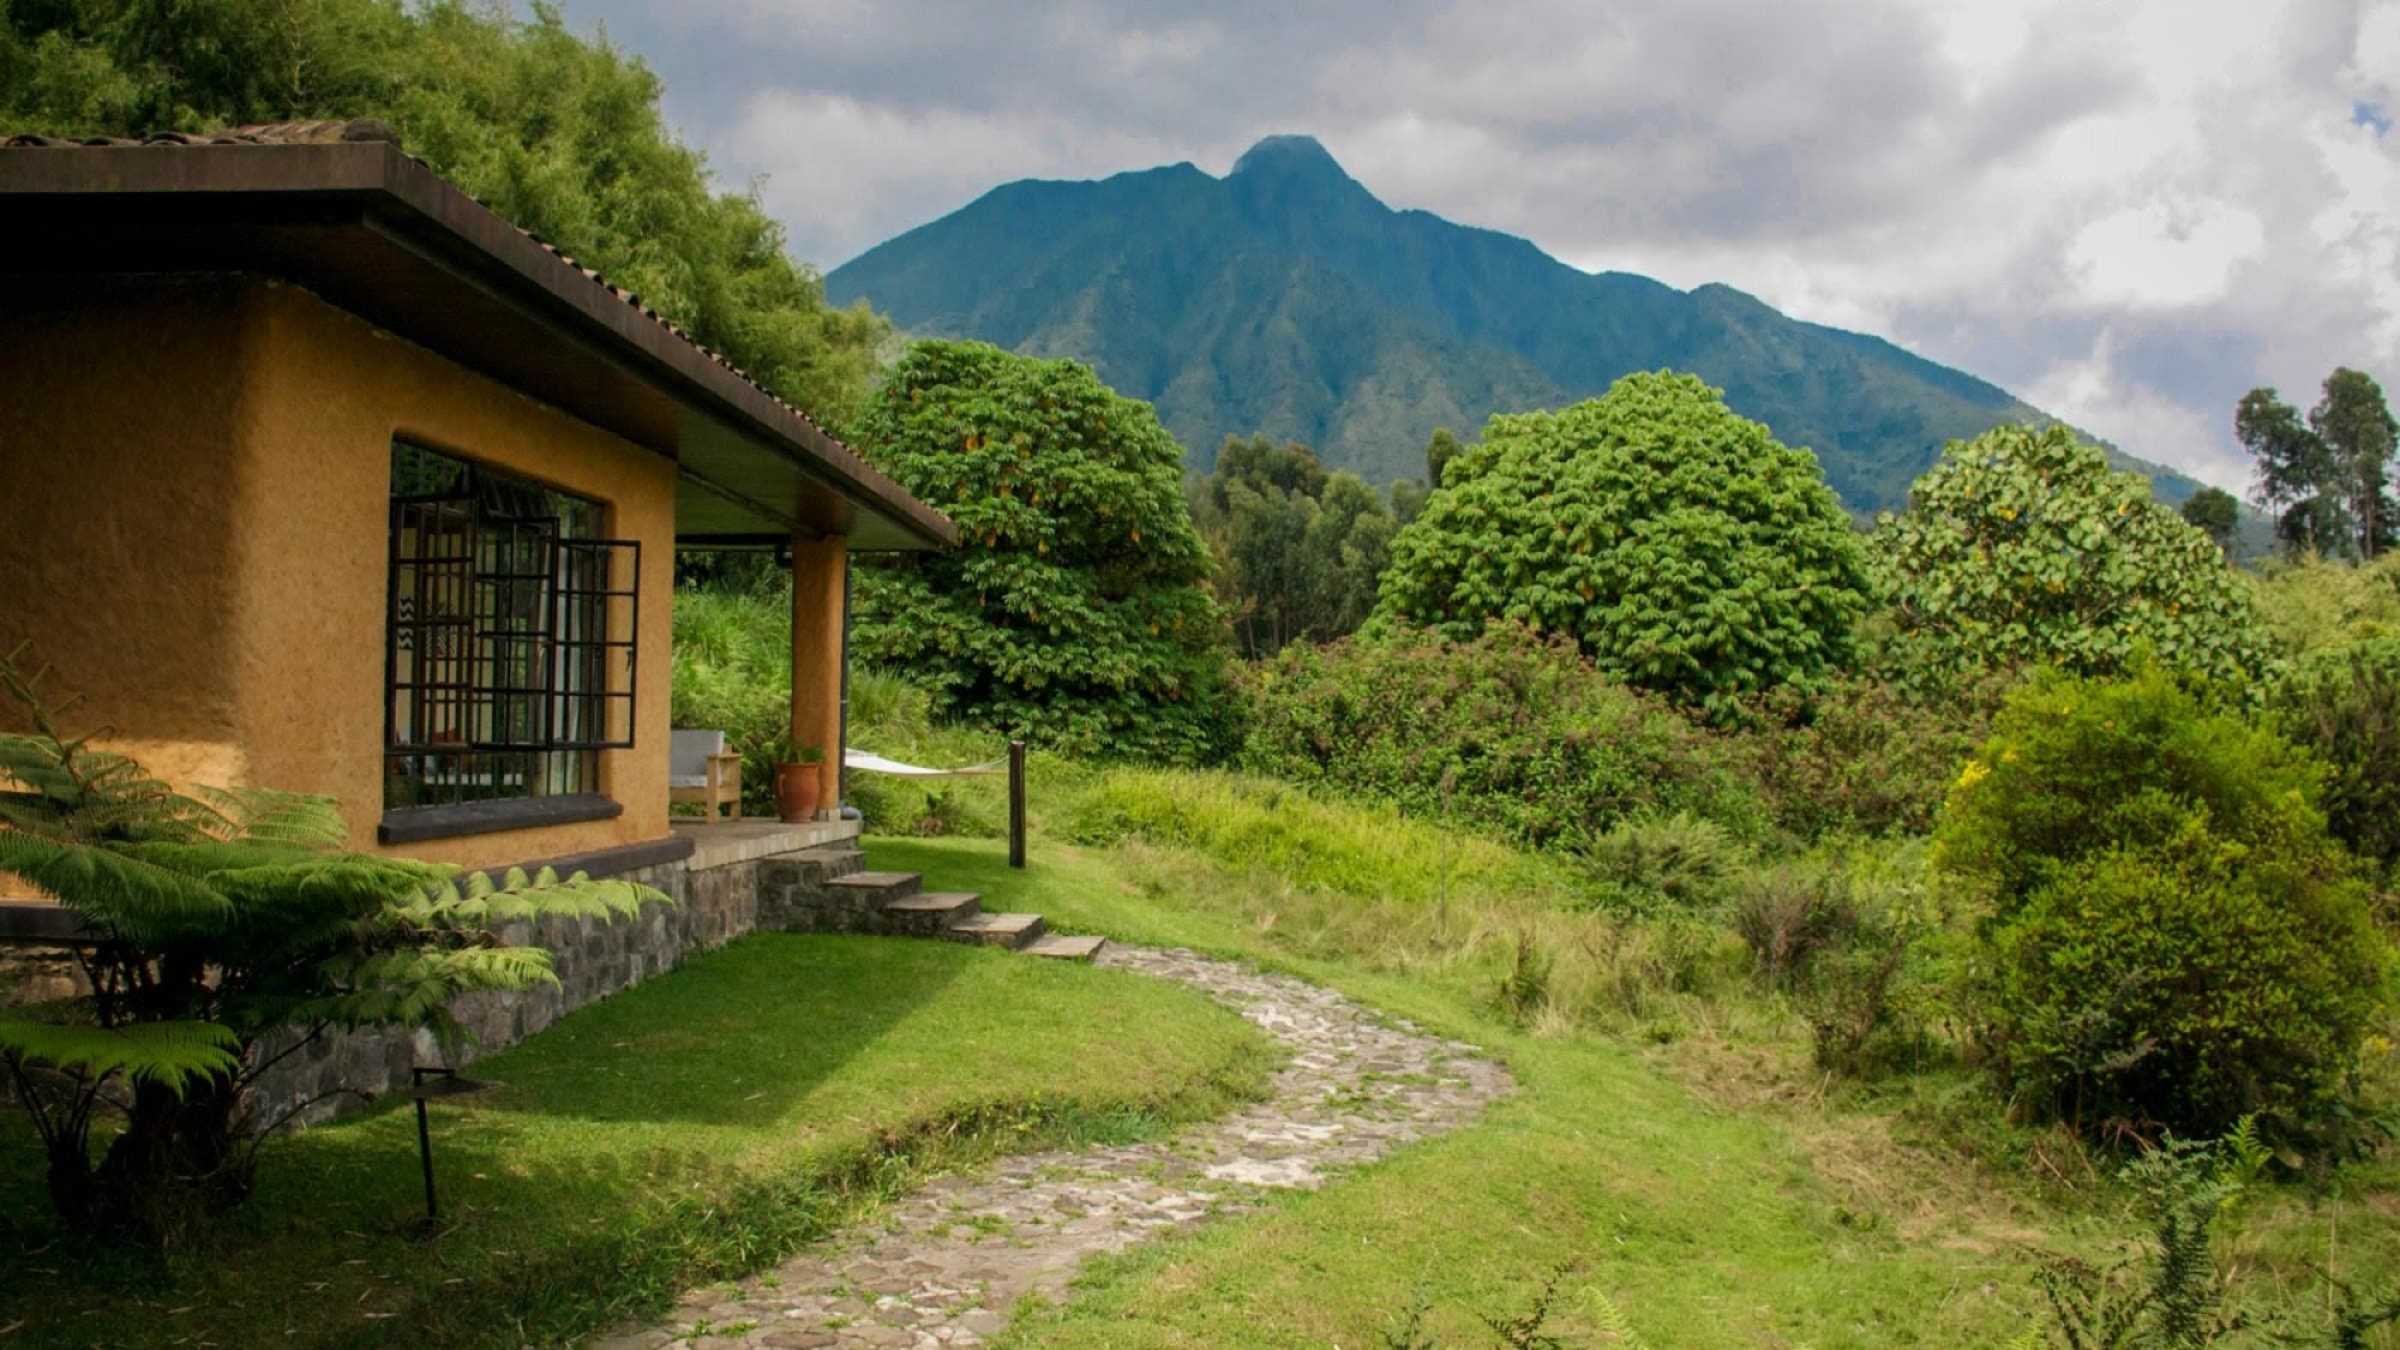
(378, 233)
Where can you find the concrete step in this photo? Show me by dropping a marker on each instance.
(1060, 947)
(874, 890)
(996, 930)
(927, 914)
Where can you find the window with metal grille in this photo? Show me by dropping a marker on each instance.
(510, 663)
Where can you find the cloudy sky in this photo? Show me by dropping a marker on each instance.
(2126, 211)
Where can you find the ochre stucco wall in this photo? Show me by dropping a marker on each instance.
(222, 460)
(119, 412)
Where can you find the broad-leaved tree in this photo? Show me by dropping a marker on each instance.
(1076, 610)
(1680, 545)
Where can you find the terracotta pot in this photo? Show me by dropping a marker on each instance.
(797, 788)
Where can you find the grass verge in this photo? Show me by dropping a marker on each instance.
(691, 1129)
(1671, 1145)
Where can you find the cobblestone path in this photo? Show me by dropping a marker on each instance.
(944, 1265)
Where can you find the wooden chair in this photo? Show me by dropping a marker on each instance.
(701, 769)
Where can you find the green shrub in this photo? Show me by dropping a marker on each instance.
(1632, 966)
(2174, 941)
(1865, 756)
(1676, 862)
(2185, 984)
(1857, 943)
(1788, 914)
(1854, 1000)
(2309, 604)
(2077, 767)
(1508, 732)
(1687, 550)
(2343, 703)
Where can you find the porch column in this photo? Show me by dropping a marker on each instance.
(818, 570)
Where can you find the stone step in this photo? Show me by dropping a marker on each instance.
(1060, 947)
(927, 914)
(996, 930)
(811, 868)
(838, 860)
(873, 890)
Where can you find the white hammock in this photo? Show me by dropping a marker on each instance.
(860, 759)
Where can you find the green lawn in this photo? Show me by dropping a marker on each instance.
(1706, 1183)
(692, 1128)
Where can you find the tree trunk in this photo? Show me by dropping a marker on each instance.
(71, 1188)
(175, 1168)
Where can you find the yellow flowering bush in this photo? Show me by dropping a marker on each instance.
(2023, 547)
(2172, 939)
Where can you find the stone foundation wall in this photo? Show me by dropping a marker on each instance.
(38, 974)
(593, 959)
(338, 1072)
(793, 896)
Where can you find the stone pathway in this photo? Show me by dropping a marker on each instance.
(947, 1263)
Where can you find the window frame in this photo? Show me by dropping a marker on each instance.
(529, 628)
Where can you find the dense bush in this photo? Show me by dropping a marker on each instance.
(1075, 611)
(1788, 914)
(1865, 756)
(2023, 547)
(1509, 731)
(1655, 863)
(2343, 703)
(2175, 940)
(2311, 603)
(733, 673)
(1686, 549)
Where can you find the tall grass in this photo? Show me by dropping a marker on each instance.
(1368, 886)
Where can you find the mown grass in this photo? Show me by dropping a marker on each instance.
(1671, 1144)
(690, 1129)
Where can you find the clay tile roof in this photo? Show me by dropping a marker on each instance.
(370, 129)
(272, 133)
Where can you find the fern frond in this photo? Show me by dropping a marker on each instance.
(1612, 1320)
(411, 988)
(174, 1055)
(475, 903)
(262, 815)
(115, 892)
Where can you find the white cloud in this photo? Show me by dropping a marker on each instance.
(2162, 254)
(2091, 391)
(2129, 213)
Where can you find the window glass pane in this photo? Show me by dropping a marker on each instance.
(497, 683)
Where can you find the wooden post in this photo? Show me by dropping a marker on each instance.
(1016, 803)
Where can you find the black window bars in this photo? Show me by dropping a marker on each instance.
(511, 638)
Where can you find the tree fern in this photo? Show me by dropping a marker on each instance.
(212, 923)
(175, 1055)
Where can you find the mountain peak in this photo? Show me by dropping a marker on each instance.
(1284, 299)
(1293, 155)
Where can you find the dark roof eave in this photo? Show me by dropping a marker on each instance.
(407, 196)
